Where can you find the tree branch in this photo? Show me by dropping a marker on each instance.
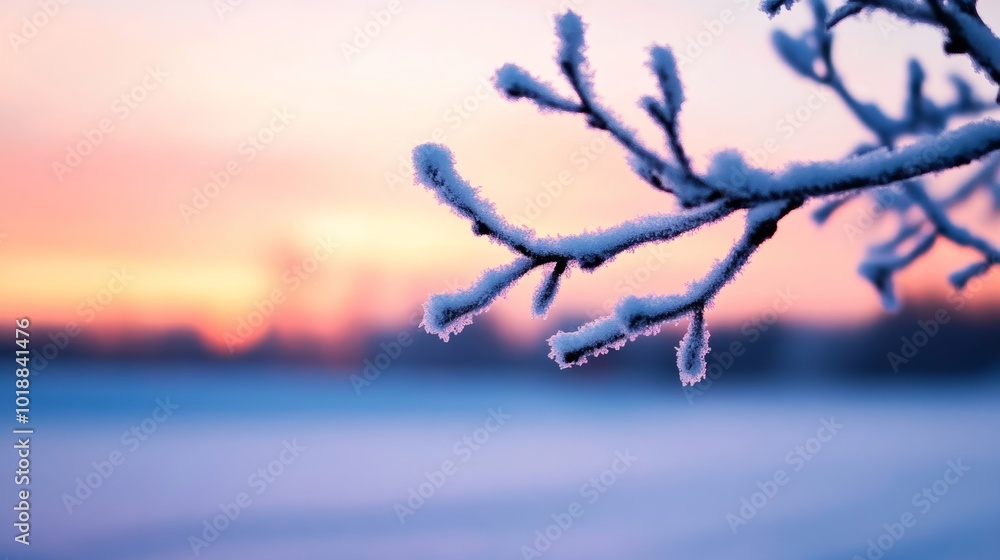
(730, 184)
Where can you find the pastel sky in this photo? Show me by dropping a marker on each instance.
(310, 126)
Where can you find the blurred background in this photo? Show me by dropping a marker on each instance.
(211, 221)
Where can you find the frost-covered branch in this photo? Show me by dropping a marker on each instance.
(663, 174)
(447, 314)
(908, 148)
(634, 316)
(920, 115)
(873, 169)
(965, 31)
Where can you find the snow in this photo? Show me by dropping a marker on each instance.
(362, 454)
(961, 277)
(448, 314)
(693, 349)
(546, 292)
(569, 28)
(797, 53)
(664, 67)
(984, 45)
(876, 168)
(772, 7)
(910, 10)
(517, 83)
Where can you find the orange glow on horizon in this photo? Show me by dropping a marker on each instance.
(212, 202)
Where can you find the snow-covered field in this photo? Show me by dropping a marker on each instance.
(288, 465)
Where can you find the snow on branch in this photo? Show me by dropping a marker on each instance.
(656, 169)
(907, 149)
(965, 31)
(447, 314)
(635, 316)
(876, 168)
(435, 169)
(921, 115)
(772, 7)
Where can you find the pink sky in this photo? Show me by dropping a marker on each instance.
(333, 125)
